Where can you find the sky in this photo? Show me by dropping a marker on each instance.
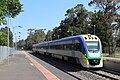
(43, 14)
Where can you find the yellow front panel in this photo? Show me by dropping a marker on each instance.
(84, 59)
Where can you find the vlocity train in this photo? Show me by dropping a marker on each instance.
(81, 49)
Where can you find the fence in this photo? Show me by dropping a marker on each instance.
(4, 52)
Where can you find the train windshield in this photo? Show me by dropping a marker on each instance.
(92, 45)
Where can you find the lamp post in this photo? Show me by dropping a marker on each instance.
(94, 29)
(59, 32)
(58, 36)
(8, 36)
(14, 34)
(88, 28)
(70, 32)
(16, 40)
(18, 47)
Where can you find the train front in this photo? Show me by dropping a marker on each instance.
(92, 53)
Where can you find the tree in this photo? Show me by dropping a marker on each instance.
(9, 7)
(110, 9)
(30, 31)
(5, 31)
(3, 39)
(54, 35)
(82, 16)
(21, 44)
(39, 36)
(30, 39)
(35, 36)
(97, 26)
(116, 34)
(75, 23)
(48, 36)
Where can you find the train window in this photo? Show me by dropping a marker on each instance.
(64, 46)
(61, 47)
(92, 45)
(56, 47)
(52, 46)
(68, 46)
(78, 47)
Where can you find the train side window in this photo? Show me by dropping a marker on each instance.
(78, 47)
(64, 47)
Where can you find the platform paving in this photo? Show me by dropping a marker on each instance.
(18, 67)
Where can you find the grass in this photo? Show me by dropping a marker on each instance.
(116, 55)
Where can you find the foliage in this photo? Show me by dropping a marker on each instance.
(110, 10)
(21, 44)
(75, 23)
(35, 36)
(9, 7)
(3, 39)
(39, 35)
(5, 31)
(80, 21)
(103, 22)
(48, 36)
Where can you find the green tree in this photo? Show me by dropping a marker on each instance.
(116, 30)
(21, 44)
(5, 31)
(54, 35)
(9, 7)
(97, 26)
(48, 36)
(3, 39)
(82, 16)
(75, 23)
(39, 35)
(30, 39)
(110, 9)
(35, 36)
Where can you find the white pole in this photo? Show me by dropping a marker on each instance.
(94, 29)
(13, 38)
(15, 42)
(8, 38)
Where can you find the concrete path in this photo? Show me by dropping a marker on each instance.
(19, 68)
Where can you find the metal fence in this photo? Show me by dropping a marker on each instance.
(5, 52)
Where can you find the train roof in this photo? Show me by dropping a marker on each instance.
(87, 37)
(90, 37)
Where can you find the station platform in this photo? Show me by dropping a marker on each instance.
(19, 67)
(112, 64)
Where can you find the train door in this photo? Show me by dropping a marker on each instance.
(47, 47)
(73, 52)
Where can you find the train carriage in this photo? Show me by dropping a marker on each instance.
(83, 49)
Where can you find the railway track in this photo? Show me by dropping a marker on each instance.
(105, 74)
(81, 73)
(93, 74)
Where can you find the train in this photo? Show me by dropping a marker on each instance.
(85, 50)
